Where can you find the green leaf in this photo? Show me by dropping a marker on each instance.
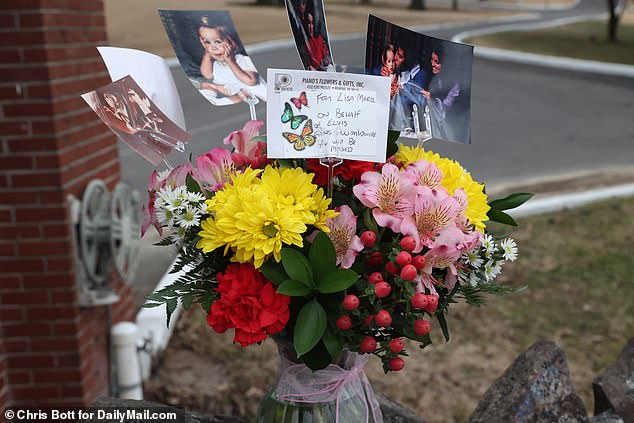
(192, 184)
(322, 256)
(293, 289)
(286, 163)
(151, 305)
(297, 267)
(274, 272)
(333, 343)
(369, 222)
(309, 327)
(443, 325)
(496, 215)
(317, 358)
(187, 300)
(337, 280)
(170, 308)
(512, 201)
(392, 136)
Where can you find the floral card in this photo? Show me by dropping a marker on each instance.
(129, 113)
(311, 115)
(430, 91)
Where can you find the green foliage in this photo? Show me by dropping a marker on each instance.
(322, 255)
(495, 214)
(274, 272)
(297, 267)
(293, 288)
(192, 184)
(337, 280)
(309, 327)
(475, 296)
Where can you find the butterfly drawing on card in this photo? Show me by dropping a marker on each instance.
(307, 138)
(301, 101)
(288, 116)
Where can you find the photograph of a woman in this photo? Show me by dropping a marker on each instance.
(213, 57)
(308, 25)
(427, 74)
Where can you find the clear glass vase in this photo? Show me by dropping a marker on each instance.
(340, 393)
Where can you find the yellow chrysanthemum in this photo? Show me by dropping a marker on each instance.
(290, 187)
(257, 214)
(321, 211)
(454, 177)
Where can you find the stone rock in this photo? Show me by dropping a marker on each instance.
(537, 388)
(394, 412)
(614, 388)
(110, 404)
(607, 417)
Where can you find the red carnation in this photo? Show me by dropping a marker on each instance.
(248, 303)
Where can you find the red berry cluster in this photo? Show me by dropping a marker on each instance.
(378, 313)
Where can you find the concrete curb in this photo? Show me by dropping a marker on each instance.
(572, 200)
(579, 65)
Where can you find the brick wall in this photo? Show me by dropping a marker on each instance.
(52, 352)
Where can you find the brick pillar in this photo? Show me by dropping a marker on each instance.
(52, 352)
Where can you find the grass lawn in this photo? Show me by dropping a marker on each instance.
(577, 266)
(582, 40)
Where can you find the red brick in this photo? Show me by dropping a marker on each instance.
(28, 109)
(55, 231)
(27, 329)
(22, 38)
(20, 231)
(21, 265)
(64, 329)
(48, 281)
(10, 282)
(11, 92)
(54, 344)
(7, 250)
(32, 297)
(89, 69)
(19, 377)
(11, 314)
(23, 4)
(6, 216)
(74, 120)
(34, 392)
(19, 197)
(47, 162)
(63, 297)
(9, 56)
(31, 361)
(59, 264)
(67, 360)
(23, 74)
(51, 313)
(35, 180)
(40, 214)
(43, 248)
(13, 128)
(32, 144)
(7, 21)
(56, 376)
(68, 391)
(17, 345)
(110, 154)
(66, 20)
(16, 162)
(54, 53)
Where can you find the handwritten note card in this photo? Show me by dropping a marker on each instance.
(324, 114)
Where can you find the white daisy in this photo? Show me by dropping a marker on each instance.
(165, 216)
(189, 217)
(195, 197)
(163, 174)
(489, 245)
(473, 258)
(492, 268)
(203, 208)
(509, 247)
(473, 279)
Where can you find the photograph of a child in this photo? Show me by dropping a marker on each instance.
(213, 57)
(129, 113)
(308, 25)
(426, 73)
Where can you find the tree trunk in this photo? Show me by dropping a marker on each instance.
(454, 5)
(417, 5)
(613, 20)
(365, 2)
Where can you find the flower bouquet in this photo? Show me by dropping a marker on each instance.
(332, 280)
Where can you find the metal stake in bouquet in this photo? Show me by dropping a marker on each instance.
(329, 161)
(425, 135)
(251, 101)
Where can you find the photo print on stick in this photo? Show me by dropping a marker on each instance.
(211, 54)
(308, 25)
(133, 117)
(426, 73)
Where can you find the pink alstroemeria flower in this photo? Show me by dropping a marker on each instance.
(389, 193)
(425, 173)
(177, 176)
(440, 257)
(148, 212)
(343, 236)
(434, 211)
(214, 169)
(246, 151)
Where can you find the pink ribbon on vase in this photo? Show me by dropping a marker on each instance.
(299, 384)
